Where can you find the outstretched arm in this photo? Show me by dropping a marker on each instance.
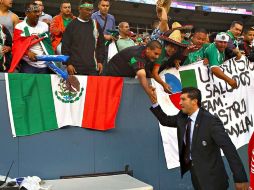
(141, 74)
(219, 73)
(163, 17)
(156, 76)
(164, 119)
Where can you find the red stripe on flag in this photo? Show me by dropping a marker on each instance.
(175, 99)
(103, 95)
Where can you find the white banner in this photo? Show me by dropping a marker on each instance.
(235, 107)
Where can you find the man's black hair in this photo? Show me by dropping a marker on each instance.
(65, 1)
(200, 30)
(236, 22)
(154, 44)
(193, 93)
(248, 29)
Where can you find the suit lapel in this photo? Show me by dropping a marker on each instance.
(196, 127)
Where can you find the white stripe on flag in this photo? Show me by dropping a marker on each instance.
(9, 104)
(69, 113)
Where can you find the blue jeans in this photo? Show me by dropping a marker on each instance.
(26, 68)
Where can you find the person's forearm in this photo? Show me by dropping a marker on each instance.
(219, 73)
(158, 79)
(163, 26)
(144, 83)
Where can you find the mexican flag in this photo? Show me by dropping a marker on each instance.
(23, 40)
(39, 103)
(233, 106)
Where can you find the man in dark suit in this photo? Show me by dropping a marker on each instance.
(200, 137)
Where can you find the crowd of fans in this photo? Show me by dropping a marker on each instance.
(97, 47)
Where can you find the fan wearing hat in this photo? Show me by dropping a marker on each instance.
(170, 52)
(215, 53)
(183, 29)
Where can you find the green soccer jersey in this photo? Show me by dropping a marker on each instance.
(163, 57)
(186, 42)
(214, 56)
(196, 55)
(66, 21)
(230, 34)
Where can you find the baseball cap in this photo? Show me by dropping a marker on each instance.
(223, 37)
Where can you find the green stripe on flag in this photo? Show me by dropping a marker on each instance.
(188, 78)
(32, 103)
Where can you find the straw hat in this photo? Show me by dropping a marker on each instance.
(178, 26)
(174, 38)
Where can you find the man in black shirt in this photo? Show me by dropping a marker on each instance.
(136, 61)
(83, 41)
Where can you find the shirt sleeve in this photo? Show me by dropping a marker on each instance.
(55, 28)
(114, 23)
(212, 55)
(100, 48)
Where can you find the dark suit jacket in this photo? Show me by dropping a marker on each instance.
(208, 137)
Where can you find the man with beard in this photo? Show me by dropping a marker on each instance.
(124, 40)
(59, 23)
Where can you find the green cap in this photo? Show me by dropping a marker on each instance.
(87, 5)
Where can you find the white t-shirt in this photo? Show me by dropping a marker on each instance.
(40, 28)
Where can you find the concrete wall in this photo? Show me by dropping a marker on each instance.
(135, 141)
